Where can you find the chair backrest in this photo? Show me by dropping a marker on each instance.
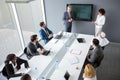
(27, 53)
(25, 50)
(4, 72)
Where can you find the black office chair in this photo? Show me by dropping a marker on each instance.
(4, 73)
(28, 55)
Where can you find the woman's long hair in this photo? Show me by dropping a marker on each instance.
(89, 71)
(9, 58)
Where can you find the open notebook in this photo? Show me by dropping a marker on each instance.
(59, 35)
(75, 51)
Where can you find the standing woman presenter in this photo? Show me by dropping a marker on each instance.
(100, 21)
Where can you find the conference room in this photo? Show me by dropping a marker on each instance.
(20, 19)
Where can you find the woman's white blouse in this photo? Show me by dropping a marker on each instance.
(94, 78)
(100, 21)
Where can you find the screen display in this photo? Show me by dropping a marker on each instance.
(82, 12)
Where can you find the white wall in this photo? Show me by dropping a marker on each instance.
(4, 19)
(55, 9)
(30, 14)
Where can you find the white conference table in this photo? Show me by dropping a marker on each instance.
(73, 60)
(58, 48)
(42, 63)
(56, 63)
(37, 65)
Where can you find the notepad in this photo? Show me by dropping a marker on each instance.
(73, 60)
(75, 51)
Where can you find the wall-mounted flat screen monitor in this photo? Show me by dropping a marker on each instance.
(82, 12)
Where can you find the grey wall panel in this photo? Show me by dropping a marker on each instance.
(55, 9)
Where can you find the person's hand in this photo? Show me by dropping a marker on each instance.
(50, 36)
(42, 51)
(95, 23)
(83, 75)
(27, 67)
(70, 20)
(17, 68)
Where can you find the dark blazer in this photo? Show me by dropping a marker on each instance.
(32, 49)
(8, 70)
(66, 18)
(96, 56)
(44, 35)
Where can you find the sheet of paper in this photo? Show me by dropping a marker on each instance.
(75, 51)
(24, 70)
(54, 41)
(73, 59)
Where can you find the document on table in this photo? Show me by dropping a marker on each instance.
(73, 59)
(75, 51)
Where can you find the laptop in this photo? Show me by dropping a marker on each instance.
(46, 52)
(81, 40)
(59, 35)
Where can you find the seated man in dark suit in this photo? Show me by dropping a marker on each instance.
(34, 45)
(96, 55)
(12, 64)
(45, 33)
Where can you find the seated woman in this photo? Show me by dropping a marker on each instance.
(102, 39)
(26, 77)
(13, 64)
(89, 73)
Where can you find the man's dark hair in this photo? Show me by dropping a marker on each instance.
(33, 37)
(25, 77)
(95, 42)
(102, 11)
(42, 23)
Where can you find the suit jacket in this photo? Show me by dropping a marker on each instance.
(32, 49)
(66, 17)
(96, 55)
(44, 35)
(8, 70)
